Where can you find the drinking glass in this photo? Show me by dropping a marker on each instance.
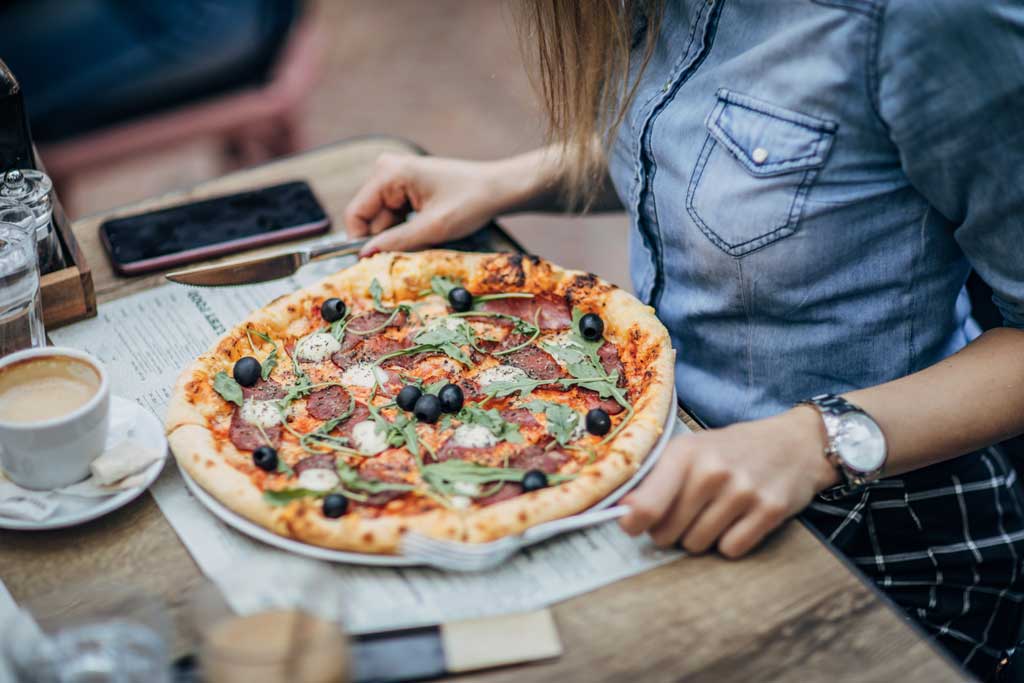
(274, 642)
(32, 189)
(21, 312)
(96, 632)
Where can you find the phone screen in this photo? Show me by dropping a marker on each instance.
(212, 227)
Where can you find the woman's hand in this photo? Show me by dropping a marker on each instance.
(451, 198)
(732, 486)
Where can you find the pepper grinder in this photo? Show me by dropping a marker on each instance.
(32, 188)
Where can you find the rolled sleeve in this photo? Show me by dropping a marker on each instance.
(950, 86)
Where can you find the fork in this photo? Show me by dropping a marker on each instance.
(475, 557)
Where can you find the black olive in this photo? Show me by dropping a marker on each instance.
(591, 326)
(408, 396)
(333, 309)
(247, 371)
(598, 422)
(533, 480)
(265, 458)
(451, 398)
(460, 299)
(427, 408)
(335, 505)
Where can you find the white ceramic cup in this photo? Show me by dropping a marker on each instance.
(56, 452)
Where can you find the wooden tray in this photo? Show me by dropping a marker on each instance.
(68, 294)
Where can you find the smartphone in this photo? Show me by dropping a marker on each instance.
(212, 227)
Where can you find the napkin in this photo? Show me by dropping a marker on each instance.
(120, 467)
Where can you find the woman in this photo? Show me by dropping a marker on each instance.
(809, 183)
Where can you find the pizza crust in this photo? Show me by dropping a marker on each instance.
(641, 339)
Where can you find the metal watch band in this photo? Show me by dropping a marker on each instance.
(853, 481)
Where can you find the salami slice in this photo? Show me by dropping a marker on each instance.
(321, 461)
(554, 311)
(359, 414)
(609, 357)
(382, 469)
(513, 340)
(368, 351)
(248, 437)
(372, 320)
(519, 416)
(508, 490)
(264, 390)
(536, 458)
(327, 403)
(592, 400)
(537, 364)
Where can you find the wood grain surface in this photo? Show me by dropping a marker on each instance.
(792, 611)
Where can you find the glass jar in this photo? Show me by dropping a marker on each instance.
(32, 188)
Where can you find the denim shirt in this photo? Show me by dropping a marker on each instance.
(810, 182)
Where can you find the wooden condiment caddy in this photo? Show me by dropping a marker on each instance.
(68, 294)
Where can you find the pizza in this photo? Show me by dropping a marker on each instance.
(463, 396)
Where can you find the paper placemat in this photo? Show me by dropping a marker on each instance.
(146, 338)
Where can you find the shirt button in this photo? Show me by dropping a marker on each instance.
(759, 155)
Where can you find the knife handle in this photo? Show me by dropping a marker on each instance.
(334, 249)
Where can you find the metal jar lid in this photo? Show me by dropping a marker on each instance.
(30, 187)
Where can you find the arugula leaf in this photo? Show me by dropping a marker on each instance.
(437, 336)
(443, 476)
(521, 385)
(562, 421)
(350, 479)
(442, 286)
(434, 387)
(285, 496)
(284, 468)
(492, 420)
(377, 292)
(337, 328)
(269, 363)
(228, 388)
(401, 432)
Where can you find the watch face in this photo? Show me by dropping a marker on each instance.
(860, 442)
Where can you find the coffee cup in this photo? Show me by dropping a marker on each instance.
(54, 416)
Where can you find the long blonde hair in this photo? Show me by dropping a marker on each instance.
(579, 52)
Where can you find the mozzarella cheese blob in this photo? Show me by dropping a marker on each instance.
(474, 436)
(368, 440)
(316, 347)
(262, 413)
(499, 373)
(363, 375)
(467, 488)
(318, 479)
(461, 502)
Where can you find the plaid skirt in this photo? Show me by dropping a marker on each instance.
(946, 544)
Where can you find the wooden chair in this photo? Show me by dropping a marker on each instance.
(252, 125)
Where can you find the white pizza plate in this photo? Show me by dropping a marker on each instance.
(73, 510)
(233, 519)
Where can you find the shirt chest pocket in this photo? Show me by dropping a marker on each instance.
(754, 171)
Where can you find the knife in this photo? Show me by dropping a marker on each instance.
(263, 268)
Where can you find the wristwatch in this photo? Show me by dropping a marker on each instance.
(855, 444)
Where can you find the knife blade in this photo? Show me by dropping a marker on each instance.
(262, 268)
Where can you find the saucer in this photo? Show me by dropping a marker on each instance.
(73, 510)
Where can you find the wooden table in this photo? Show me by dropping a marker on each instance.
(792, 611)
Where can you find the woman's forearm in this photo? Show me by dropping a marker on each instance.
(535, 182)
(968, 401)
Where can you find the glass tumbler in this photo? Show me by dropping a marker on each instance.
(21, 309)
(32, 188)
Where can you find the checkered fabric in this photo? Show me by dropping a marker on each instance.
(946, 544)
